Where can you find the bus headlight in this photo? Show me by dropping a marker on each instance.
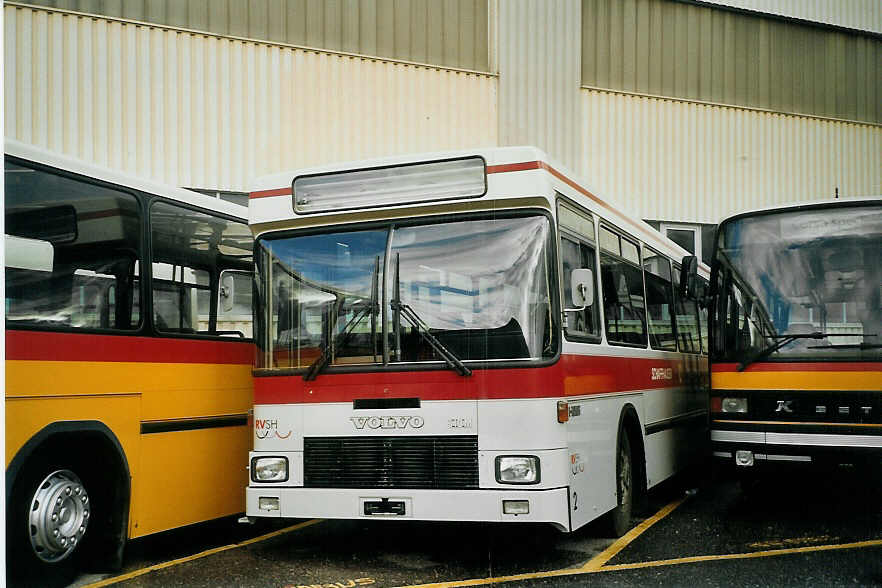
(734, 405)
(517, 469)
(269, 469)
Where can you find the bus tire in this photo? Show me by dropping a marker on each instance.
(618, 520)
(48, 521)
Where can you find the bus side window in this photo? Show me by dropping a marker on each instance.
(577, 255)
(686, 319)
(88, 238)
(622, 281)
(657, 273)
(192, 252)
(577, 251)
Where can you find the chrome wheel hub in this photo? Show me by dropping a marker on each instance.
(58, 517)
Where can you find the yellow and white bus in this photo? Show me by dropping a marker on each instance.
(128, 361)
(796, 346)
(468, 336)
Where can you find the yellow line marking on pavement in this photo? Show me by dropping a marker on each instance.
(206, 553)
(748, 555)
(651, 564)
(610, 552)
(592, 566)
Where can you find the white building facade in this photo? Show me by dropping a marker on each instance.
(681, 111)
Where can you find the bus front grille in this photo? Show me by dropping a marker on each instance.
(442, 462)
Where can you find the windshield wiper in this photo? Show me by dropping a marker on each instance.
(861, 345)
(782, 340)
(414, 319)
(343, 336)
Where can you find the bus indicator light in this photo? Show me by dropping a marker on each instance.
(268, 503)
(516, 507)
(738, 405)
(563, 411)
(744, 458)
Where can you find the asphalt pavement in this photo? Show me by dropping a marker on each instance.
(793, 529)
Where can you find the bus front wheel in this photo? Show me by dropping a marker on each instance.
(48, 522)
(619, 519)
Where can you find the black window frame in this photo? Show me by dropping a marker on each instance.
(142, 325)
(214, 274)
(638, 268)
(670, 298)
(568, 233)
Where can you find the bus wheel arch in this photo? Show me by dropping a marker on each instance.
(630, 469)
(79, 465)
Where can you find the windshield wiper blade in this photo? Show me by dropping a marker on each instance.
(340, 340)
(861, 345)
(342, 337)
(782, 340)
(414, 319)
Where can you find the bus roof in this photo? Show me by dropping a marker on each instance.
(492, 155)
(78, 166)
(805, 205)
(498, 160)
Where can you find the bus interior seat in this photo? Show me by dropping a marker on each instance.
(505, 342)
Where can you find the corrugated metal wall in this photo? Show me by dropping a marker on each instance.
(691, 162)
(452, 33)
(863, 15)
(539, 76)
(208, 112)
(684, 50)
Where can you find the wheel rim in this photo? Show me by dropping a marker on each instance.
(624, 477)
(59, 515)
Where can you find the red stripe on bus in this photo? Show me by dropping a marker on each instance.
(572, 376)
(513, 167)
(47, 346)
(867, 366)
(275, 192)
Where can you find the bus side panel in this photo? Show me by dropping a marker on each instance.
(591, 436)
(194, 427)
(675, 432)
(187, 478)
(42, 392)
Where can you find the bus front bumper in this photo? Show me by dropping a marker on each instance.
(762, 449)
(535, 506)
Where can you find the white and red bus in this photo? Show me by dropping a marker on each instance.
(468, 336)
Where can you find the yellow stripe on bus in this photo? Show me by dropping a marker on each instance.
(169, 390)
(844, 381)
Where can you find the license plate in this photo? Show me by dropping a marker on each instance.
(384, 507)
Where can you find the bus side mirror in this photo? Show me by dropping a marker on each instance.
(688, 278)
(226, 291)
(29, 254)
(581, 289)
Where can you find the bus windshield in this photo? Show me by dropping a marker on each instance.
(479, 286)
(801, 284)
